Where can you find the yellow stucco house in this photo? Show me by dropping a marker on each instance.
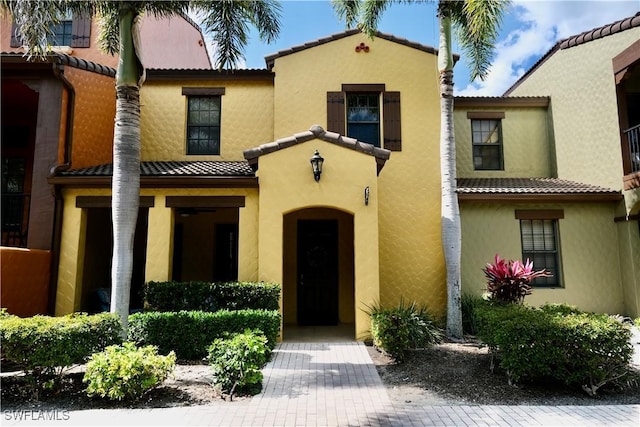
(228, 191)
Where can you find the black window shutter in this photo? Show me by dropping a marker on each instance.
(80, 31)
(15, 41)
(391, 120)
(335, 112)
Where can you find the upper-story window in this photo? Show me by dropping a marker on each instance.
(366, 112)
(72, 31)
(62, 33)
(486, 140)
(541, 243)
(363, 117)
(203, 120)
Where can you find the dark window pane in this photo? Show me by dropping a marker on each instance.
(365, 132)
(203, 127)
(486, 136)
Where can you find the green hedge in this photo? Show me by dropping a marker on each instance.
(190, 333)
(207, 296)
(586, 350)
(43, 345)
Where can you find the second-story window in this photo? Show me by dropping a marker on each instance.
(363, 117)
(367, 112)
(486, 137)
(203, 120)
(62, 33)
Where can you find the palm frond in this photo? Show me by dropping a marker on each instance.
(372, 11)
(228, 22)
(347, 11)
(477, 23)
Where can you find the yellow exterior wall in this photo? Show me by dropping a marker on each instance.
(287, 185)
(246, 118)
(581, 84)
(527, 150)
(589, 252)
(411, 260)
(159, 239)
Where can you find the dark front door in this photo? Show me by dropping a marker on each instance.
(317, 272)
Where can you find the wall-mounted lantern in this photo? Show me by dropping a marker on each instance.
(316, 165)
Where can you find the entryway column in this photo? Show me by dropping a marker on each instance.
(159, 242)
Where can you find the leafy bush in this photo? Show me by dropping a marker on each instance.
(398, 329)
(189, 333)
(127, 372)
(585, 350)
(469, 305)
(44, 346)
(510, 281)
(206, 296)
(236, 360)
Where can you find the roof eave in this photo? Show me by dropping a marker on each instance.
(159, 181)
(540, 197)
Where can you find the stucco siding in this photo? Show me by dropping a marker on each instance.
(246, 119)
(581, 84)
(94, 113)
(411, 260)
(526, 142)
(589, 253)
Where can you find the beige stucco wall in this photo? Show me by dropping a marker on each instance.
(246, 118)
(526, 143)
(411, 261)
(581, 84)
(589, 252)
(287, 185)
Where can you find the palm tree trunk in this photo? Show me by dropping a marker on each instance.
(126, 170)
(450, 211)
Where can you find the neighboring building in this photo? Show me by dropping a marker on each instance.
(569, 147)
(228, 192)
(58, 114)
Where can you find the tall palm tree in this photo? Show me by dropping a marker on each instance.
(227, 20)
(476, 23)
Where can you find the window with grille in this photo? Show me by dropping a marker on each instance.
(363, 117)
(62, 33)
(203, 125)
(540, 245)
(486, 137)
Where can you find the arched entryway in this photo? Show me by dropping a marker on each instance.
(318, 274)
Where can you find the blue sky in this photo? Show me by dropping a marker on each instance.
(529, 30)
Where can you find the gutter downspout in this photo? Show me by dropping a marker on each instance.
(58, 70)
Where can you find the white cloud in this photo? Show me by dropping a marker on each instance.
(533, 27)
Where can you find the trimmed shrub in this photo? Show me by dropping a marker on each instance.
(584, 350)
(206, 296)
(127, 372)
(398, 329)
(236, 360)
(189, 333)
(44, 346)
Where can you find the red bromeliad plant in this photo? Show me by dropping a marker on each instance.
(510, 281)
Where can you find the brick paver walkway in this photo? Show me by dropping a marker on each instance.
(334, 384)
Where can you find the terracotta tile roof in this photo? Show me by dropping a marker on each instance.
(62, 58)
(270, 59)
(468, 187)
(317, 132)
(185, 168)
(579, 39)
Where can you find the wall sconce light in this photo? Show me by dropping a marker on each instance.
(366, 195)
(316, 165)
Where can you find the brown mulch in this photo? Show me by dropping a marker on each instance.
(449, 373)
